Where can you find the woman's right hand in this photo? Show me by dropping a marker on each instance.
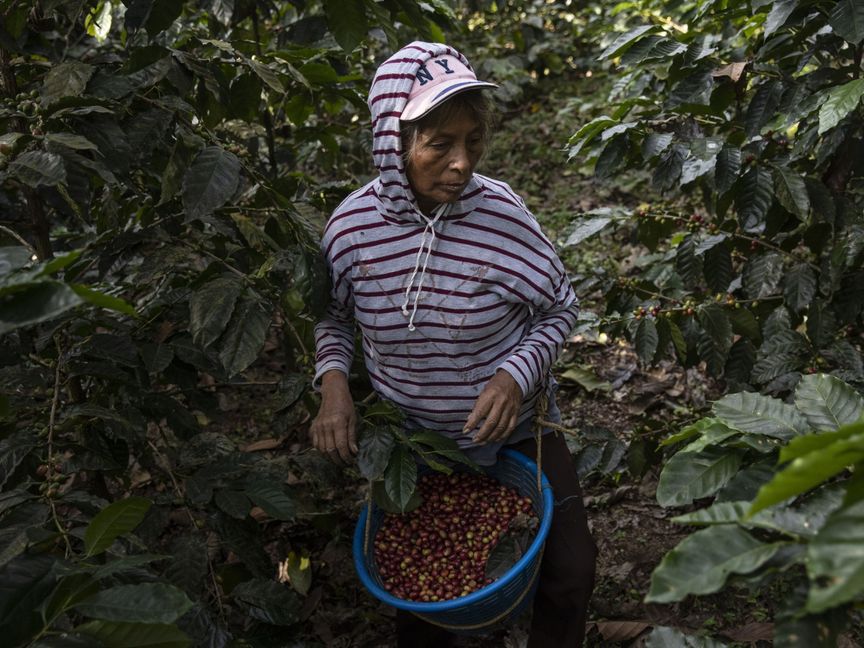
(334, 430)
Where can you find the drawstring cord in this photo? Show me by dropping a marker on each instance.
(430, 227)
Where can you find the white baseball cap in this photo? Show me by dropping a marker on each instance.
(436, 81)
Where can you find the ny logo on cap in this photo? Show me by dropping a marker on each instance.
(424, 75)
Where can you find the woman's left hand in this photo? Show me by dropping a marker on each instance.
(499, 404)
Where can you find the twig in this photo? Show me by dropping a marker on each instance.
(368, 520)
(558, 427)
(49, 473)
(297, 336)
(18, 238)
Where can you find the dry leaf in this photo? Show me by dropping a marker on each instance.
(733, 71)
(263, 444)
(621, 630)
(751, 632)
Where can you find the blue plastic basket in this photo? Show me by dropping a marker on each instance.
(494, 604)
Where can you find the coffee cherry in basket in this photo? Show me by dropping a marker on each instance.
(439, 551)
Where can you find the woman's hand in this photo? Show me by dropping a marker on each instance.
(334, 430)
(499, 404)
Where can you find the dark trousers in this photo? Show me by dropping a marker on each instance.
(566, 573)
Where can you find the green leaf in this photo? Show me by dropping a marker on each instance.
(655, 144)
(744, 323)
(798, 522)
(612, 158)
(588, 132)
(791, 191)
(244, 338)
(585, 376)
(586, 228)
(847, 20)
(441, 445)
(687, 262)
(828, 402)
(779, 14)
(268, 75)
(13, 257)
(124, 565)
(763, 106)
(70, 590)
(694, 88)
(245, 97)
(59, 262)
(688, 476)
(145, 603)
(14, 449)
(211, 307)
(113, 521)
(821, 324)
(114, 634)
(727, 169)
(233, 502)
(102, 300)
(162, 15)
(715, 340)
(70, 140)
(275, 502)
(210, 182)
(663, 637)
(762, 275)
(835, 562)
(299, 570)
(32, 303)
(268, 601)
(702, 562)
(841, 101)
(347, 21)
(38, 169)
(804, 445)
(754, 198)
(68, 79)
(136, 13)
(624, 41)
(506, 553)
(400, 478)
(25, 583)
(810, 470)
(646, 339)
(758, 414)
(667, 172)
(799, 287)
(718, 268)
(222, 10)
(677, 338)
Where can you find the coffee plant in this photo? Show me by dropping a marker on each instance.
(748, 116)
(164, 171)
(785, 505)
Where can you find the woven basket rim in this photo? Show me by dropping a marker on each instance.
(430, 608)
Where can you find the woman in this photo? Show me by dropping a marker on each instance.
(462, 304)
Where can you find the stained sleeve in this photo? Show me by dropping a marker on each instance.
(555, 309)
(334, 333)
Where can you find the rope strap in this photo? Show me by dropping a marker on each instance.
(539, 423)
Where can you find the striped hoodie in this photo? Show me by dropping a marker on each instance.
(441, 302)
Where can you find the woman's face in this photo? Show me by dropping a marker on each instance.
(443, 160)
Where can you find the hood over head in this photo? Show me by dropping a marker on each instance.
(388, 96)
